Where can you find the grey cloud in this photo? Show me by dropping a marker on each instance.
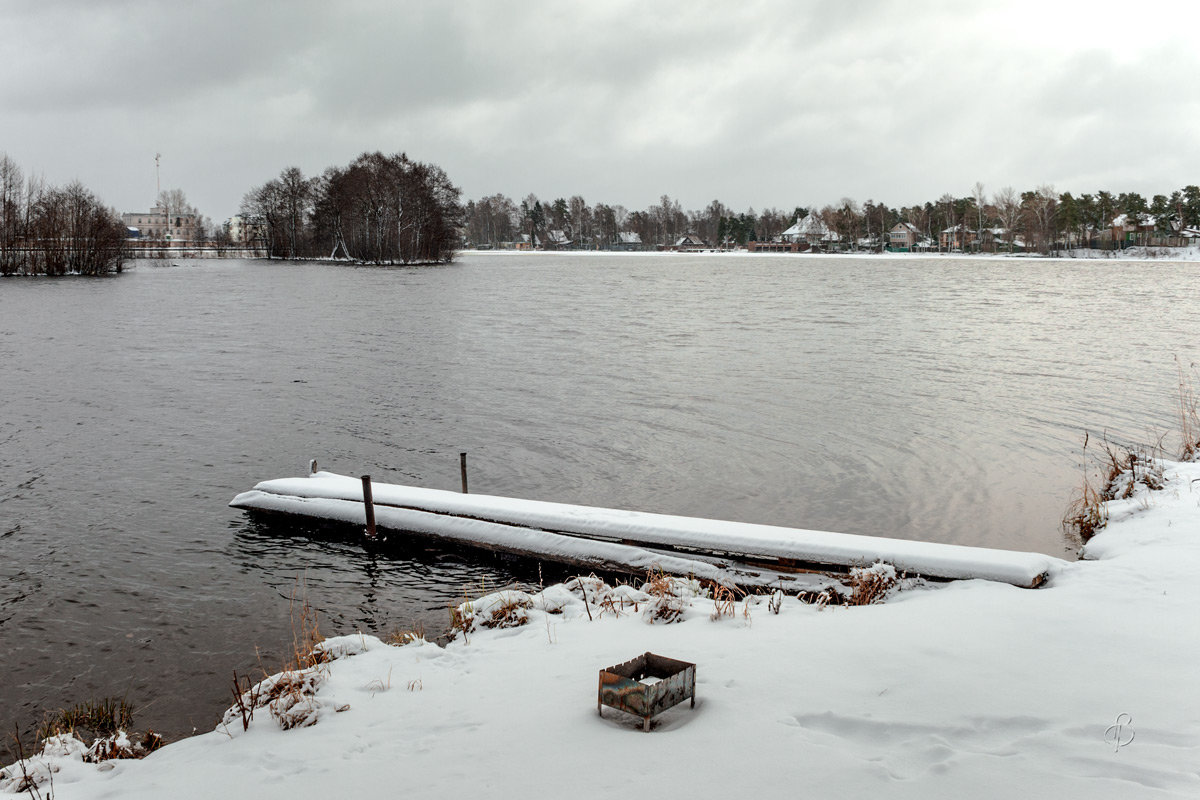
(763, 103)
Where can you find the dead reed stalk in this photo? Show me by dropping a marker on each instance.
(306, 633)
(1189, 412)
(723, 602)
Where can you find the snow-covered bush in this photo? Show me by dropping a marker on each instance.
(669, 597)
(504, 609)
(871, 584)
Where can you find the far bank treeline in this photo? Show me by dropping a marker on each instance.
(52, 230)
(379, 209)
(1041, 220)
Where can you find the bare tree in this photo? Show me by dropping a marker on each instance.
(1039, 211)
(581, 221)
(11, 216)
(46, 230)
(980, 198)
(262, 206)
(1008, 207)
(848, 221)
(296, 197)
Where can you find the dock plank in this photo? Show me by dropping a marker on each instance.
(636, 539)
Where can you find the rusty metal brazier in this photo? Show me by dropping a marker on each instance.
(646, 686)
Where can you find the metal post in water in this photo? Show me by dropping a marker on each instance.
(462, 467)
(369, 506)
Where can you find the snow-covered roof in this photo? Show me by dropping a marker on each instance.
(1123, 221)
(629, 237)
(689, 239)
(812, 225)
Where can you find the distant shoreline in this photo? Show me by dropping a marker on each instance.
(1182, 254)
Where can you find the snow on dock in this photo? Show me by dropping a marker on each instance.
(730, 553)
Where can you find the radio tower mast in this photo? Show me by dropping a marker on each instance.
(157, 184)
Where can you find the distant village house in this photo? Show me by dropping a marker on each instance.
(689, 242)
(812, 229)
(630, 241)
(905, 237)
(959, 237)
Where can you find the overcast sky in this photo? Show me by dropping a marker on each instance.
(753, 103)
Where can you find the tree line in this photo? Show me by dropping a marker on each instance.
(1040, 219)
(379, 209)
(53, 230)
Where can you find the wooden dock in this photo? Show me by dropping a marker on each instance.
(729, 553)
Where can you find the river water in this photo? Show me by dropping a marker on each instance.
(940, 398)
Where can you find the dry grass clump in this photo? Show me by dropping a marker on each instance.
(102, 717)
(399, 638)
(665, 605)
(119, 745)
(510, 613)
(105, 722)
(289, 697)
(504, 609)
(1140, 468)
(1189, 413)
(1118, 471)
(1086, 513)
(871, 584)
(306, 633)
(1114, 473)
(725, 603)
(615, 600)
(62, 734)
(669, 596)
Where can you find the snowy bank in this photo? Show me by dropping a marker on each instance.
(1086, 688)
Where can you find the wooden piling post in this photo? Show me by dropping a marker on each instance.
(462, 467)
(369, 506)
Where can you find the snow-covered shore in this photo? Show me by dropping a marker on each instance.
(1085, 688)
(1139, 253)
